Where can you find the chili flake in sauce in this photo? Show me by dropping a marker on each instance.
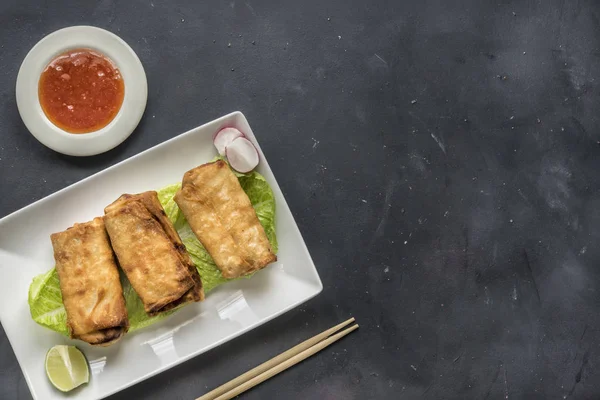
(81, 91)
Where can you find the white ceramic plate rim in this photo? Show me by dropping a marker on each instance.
(134, 101)
(315, 287)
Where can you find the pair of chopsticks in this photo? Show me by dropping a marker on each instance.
(279, 363)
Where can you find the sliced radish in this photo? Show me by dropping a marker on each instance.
(242, 155)
(224, 138)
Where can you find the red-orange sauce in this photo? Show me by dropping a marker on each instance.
(81, 91)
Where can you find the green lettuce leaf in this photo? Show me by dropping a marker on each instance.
(45, 299)
(261, 196)
(45, 302)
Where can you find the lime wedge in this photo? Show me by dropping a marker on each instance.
(66, 367)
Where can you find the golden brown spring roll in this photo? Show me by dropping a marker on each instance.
(150, 201)
(223, 219)
(89, 283)
(151, 253)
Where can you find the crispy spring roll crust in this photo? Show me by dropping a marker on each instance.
(150, 201)
(222, 217)
(90, 285)
(151, 253)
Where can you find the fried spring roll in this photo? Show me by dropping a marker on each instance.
(89, 283)
(151, 253)
(223, 219)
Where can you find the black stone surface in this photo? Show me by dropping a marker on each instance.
(441, 160)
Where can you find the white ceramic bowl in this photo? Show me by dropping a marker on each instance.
(134, 101)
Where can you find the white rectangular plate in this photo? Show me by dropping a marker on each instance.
(228, 311)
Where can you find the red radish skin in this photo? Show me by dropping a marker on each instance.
(225, 127)
(224, 137)
(242, 155)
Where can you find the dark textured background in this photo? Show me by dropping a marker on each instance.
(441, 160)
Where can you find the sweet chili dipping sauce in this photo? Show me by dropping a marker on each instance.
(81, 91)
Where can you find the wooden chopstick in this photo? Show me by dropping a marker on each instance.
(279, 363)
(285, 365)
